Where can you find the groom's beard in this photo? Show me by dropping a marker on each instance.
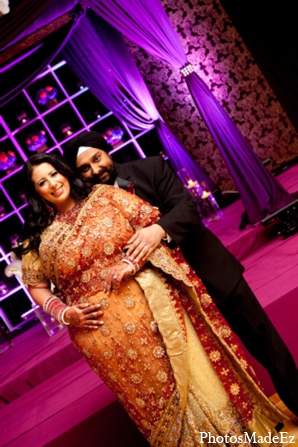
(106, 176)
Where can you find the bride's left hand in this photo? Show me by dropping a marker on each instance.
(84, 315)
(115, 275)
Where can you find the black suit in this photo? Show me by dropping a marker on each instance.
(219, 270)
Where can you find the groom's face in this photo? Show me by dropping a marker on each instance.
(97, 165)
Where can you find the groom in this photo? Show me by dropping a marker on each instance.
(153, 180)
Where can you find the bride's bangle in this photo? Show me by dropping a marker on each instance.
(63, 315)
(56, 308)
(132, 263)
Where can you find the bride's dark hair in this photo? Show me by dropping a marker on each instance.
(41, 212)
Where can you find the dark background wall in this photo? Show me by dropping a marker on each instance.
(269, 29)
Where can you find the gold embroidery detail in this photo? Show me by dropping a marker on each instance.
(132, 354)
(215, 356)
(146, 209)
(129, 302)
(86, 352)
(185, 267)
(146, 424)
(243, 363)
(107, 222)
(224, 332)
(105, 330)
(162, 376)
(234, 388)
(140, 402)
(129, 328)
(158, 352)
(153, 326)
(104, 302)
(136, 378)
(161, 402)
(112, 377)
(168, 430)
(125, 202)
(108, 248)
(107, 354)
(161, 258)
(86, 277)
(86, 252)
(206, 299)
(84, 230)
(70, 263)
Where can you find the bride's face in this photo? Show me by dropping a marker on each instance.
(52, 186)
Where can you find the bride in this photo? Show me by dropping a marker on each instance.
(150, 331)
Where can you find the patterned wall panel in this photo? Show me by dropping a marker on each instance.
(220, 57)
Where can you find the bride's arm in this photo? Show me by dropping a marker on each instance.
(80, 315)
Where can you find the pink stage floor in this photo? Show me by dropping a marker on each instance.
(243, 243)
(49, 396)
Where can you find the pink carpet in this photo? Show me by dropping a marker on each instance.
(74, 408)
(33, 360)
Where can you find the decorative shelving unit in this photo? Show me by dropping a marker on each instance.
(50, 111)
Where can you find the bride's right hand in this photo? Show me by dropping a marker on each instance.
(84, 315)
(115, 274)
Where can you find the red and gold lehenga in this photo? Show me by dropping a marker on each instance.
(164, 349)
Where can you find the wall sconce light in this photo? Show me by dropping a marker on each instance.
(2, 211)
(22, 196)
(22, 117)
(163, 155)
(3, 288)
(66, 129)
(80, 85)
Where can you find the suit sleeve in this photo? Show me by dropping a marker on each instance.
(179, 209)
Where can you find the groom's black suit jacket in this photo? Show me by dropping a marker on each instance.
(155, 182)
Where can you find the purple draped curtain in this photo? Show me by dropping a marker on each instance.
(98, 55)
(29, 16)
(19, 18)
(16, 76)
(146, 23)
(18, 71)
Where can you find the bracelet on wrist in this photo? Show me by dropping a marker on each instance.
(63, 316)
(132, 263)
(55, 308)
